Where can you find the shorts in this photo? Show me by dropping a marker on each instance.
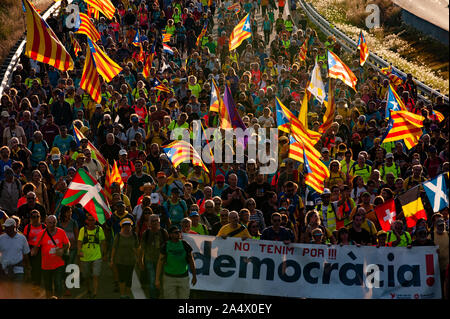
(91, 268)
(125, 274)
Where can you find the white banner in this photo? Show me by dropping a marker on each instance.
(314, 271)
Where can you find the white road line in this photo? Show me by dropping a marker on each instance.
(136, 288)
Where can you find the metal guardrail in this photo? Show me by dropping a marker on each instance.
(349, 45)
(14, 59)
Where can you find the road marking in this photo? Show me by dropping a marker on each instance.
(136, 288)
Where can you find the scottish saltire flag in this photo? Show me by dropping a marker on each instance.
(363, 49)
(42, 44)
(240, 32)
(437, 193)
(338, 70)
(167, 49)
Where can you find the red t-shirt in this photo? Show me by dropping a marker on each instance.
(49, 258)
(33, 235)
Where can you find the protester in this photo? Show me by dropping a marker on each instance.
(45, 112)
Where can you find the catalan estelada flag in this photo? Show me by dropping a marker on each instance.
(157, 84)
(303, 51)
(202, 33)
(166, 37)
(214, 105)
(84, 25)
(104, 6)
(412, 206)
(338, 70)
(240, 32)
(137, 39)
(90, 80)
(78, 136)
(112, 176)
(106, 67)
(330, 104)
(363, 49)
(181, 151)
(286, 120)
(42, 44)
(406, 125)
(236, 7)
(76, 45)
(302, 149)
(395, 78)
(92, 12)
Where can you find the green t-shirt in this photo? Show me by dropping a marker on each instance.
(125, 254)
(176, 262)
(201, 229)
(91, 250)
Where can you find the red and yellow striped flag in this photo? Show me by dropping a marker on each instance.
(407, 126)
(215, 98)
(330, 104)
(86, 27)
(42, 44)
(107, 68)
(166, 37)
(363, 49)
(302, 149)
(92, 12)
(240, 32)
(303, 50)
(148, 65)
(181, 151)
(90, 80)
(112, 176)
(76, 45)
(104, 6)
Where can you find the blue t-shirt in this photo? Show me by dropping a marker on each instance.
(63, 143)
(38, 152)
(175, 211)
(4, 165)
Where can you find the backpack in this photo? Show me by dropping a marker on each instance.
(43, 143)
(96, 236)
(2, 183)
(27, 232)
(136, 240)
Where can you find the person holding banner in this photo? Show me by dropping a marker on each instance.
(234, 228)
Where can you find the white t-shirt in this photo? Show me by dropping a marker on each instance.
(12, 251)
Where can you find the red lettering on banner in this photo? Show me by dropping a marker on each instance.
(305, 251)
(242, 246)
(275, 249)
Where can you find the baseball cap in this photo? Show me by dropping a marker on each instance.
(154, 198)
(326, 191)
(135, 119)
(220, 178)
(126, 221)
(56, 157)
(123, 152)
(389, 155)
(356, 135)
(251, 161)
(5, 114)
(193, 214)
(98, 106)
(324, 149)
(9, 222)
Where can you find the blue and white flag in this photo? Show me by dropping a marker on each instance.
(437, 193)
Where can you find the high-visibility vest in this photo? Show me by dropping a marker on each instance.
(329, 220)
